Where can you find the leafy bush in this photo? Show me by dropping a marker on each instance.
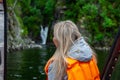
(101, 18)
(36, 13)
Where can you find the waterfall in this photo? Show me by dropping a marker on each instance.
(43, 34)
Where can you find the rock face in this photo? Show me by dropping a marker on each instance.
(14, 39)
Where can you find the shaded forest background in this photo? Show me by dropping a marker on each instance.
(98, 20)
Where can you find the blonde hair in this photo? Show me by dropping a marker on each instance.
(66, 32)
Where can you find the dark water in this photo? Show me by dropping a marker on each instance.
(29, 64)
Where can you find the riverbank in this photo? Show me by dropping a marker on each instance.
(24, 44)
(16, 39)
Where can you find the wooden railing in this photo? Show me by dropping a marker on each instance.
(112, 59)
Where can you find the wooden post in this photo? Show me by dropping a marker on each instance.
(112, 59)
(2, 61)
(1, 40)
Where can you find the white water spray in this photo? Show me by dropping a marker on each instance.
(43, 34)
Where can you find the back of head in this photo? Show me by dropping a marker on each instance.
(65, 32)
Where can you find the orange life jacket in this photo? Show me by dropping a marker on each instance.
(77, 70)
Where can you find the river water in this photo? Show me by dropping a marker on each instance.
(29, 64)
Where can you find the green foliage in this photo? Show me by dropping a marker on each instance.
(15, 8)
(49, 11)
(36, 13)
(99, 17)
(10, 2)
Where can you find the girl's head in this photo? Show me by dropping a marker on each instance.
(65, 33)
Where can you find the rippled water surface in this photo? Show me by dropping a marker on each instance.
(29, 64)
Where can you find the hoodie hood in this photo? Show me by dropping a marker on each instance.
(80, 50)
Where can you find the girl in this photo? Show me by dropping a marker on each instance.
(73, 58)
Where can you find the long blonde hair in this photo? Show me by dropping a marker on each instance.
(65, 32)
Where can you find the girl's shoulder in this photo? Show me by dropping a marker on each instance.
(73, 62)
(47, 65)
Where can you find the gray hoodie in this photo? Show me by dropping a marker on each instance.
(80, 50)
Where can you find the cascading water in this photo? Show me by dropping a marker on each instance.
(43, 34)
